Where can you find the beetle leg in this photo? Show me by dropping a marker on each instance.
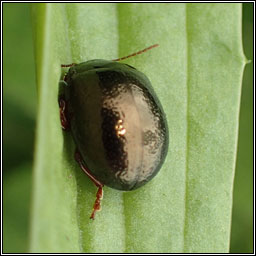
(99, 185)
(97, 203)
(65, 78)
(63, 114)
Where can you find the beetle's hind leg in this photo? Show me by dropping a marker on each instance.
(99, 185)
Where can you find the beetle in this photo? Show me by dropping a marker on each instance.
(117, 123)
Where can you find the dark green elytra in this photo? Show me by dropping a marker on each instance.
(117, 123)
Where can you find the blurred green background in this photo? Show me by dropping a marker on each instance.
(19, 123)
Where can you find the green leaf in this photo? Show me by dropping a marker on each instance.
(196, 73)
(19, 113)
(16, 202)
(242, 235)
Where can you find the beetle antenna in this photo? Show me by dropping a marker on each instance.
(137, 53)
(67, 65)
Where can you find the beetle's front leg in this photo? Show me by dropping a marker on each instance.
(64, 114)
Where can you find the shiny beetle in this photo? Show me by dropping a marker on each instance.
(117, 123)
